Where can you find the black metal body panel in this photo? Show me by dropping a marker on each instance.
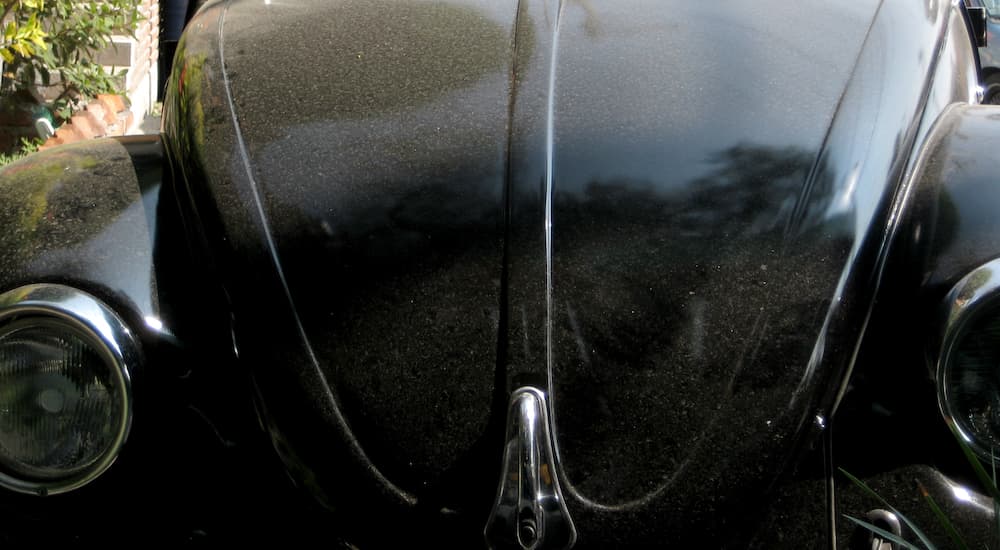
(97, 216)
(687, 242)
(78, 214)
(521, 194)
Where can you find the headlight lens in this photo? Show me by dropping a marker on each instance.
(968, 369)
(65, 400)
(60, 407)
(971, 384)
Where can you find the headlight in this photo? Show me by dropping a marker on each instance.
(65, 401)
(968, 370)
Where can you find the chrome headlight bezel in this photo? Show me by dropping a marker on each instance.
(974, 299)
(109, 337)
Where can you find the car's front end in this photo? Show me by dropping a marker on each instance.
(530, 274)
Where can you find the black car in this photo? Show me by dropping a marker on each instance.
(525, 274)
(989, 53)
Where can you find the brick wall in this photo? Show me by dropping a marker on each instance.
(140, 56)
(143, 78)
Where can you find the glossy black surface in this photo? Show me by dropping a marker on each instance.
(680, 237)
(77, 213)
(953, 231)
(685, 264)
(384, 200)
(96, 216)
(889, 429)
(668, 200)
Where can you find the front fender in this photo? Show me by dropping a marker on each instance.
(84, 215)
(101, 216)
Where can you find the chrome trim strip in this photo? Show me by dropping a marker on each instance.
(110, 337)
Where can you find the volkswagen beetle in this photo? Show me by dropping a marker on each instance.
(516, 274)
(988, 53)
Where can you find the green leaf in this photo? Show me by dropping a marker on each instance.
(57, 36)
(21, 49)
(885, 534)
(913, 527)
(949, 528)
(30, 145)
(996, 503)
(38, 40)
(988, 483)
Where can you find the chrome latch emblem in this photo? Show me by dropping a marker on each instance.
(530, 512)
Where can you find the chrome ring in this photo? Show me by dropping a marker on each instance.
(109, 336)
(976, 293)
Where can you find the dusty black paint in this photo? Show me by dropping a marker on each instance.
(365, 220)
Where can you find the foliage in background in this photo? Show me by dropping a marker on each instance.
(53, 42)
(26, 147)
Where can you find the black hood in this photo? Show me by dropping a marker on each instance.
(655, 213)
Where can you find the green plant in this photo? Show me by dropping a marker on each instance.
(26, 147)
(987, 480)
(21, 36)
(54, 42)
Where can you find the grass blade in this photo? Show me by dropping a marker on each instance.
(988, 483)
(996, 502)
(949, 528)
(913, 527)
(901, 542)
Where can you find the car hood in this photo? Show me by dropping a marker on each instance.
(632, 209)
